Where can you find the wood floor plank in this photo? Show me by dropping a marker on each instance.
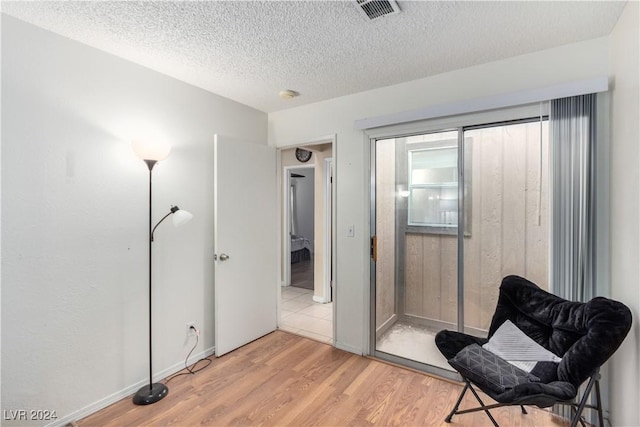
(287, 380)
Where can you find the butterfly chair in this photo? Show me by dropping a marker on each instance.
(540, 349)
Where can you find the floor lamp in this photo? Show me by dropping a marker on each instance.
(152, 154)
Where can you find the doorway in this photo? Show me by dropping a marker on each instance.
(306, 297)
(453, 212)
(301, 198)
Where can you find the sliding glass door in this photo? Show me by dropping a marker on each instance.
(453, 212)
(416, 271)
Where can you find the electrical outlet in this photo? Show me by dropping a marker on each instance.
(191, 332)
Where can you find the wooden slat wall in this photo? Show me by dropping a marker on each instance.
(505, 236)
(538, 235)
(431, 276)
(385, 231)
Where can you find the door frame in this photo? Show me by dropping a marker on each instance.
(286, 219)
(285, 245)
(328, 234)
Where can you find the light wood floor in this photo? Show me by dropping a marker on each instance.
(287, 380)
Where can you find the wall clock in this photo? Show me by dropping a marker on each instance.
(303, 155)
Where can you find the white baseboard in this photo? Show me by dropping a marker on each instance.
(321, 300)
(127, 391)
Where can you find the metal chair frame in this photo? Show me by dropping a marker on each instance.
(576, 408)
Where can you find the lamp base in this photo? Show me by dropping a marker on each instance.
(148, 395)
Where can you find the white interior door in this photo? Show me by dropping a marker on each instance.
(245, 241)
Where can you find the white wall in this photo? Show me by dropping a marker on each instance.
(554, 66)
(74, 220)
(625, 209)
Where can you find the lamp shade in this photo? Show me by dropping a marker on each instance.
(151, 150)
(181, 217)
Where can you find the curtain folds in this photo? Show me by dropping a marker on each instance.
(572, 123)
(573, 132)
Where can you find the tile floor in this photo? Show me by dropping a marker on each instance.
(301, 315)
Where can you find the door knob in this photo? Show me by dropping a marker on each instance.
(224, 257)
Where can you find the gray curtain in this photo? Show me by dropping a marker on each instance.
(573, 132)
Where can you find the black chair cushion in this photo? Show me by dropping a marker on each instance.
(451, 342)
(538, 394)
(585, 335)
(489, 371)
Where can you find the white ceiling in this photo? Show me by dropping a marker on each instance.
(248, 50)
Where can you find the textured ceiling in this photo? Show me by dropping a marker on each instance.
(248, 51)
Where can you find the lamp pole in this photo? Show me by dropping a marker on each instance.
(151, 153)
(150, 163)
(153, 392)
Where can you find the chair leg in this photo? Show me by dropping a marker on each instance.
(483, 406)
(583, 402)
(455, 408)
(524, 411)
(599, 403)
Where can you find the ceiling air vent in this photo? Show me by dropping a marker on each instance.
(374, 9)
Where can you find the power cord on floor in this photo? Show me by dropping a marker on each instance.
(191, 370)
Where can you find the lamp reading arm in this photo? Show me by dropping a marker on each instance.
(173, 210)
